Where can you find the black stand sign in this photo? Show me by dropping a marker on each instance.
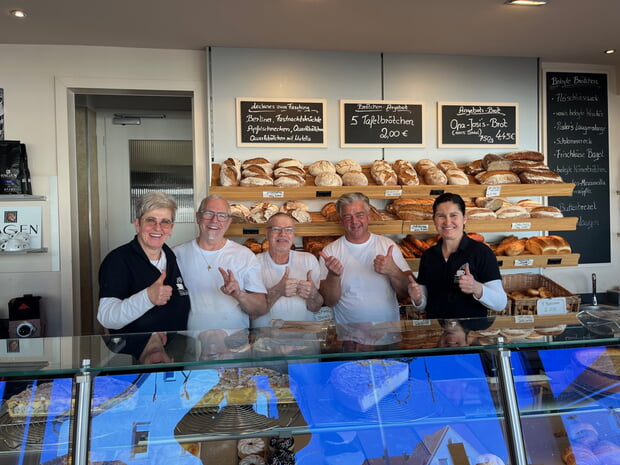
(578, 149)
(477, 125)
(276, 122)
(379, 123)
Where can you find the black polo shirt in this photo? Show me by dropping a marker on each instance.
(445, 299)
(126, 271)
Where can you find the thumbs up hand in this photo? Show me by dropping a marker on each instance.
(467, 283)
(306, 288)
(414, 290)
(384, 264)
(158, 292)
(288, 285)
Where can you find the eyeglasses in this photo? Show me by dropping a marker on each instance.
(208, 214)
(278, 229)
(151, 222)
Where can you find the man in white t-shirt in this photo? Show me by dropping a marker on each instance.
(291, 277)
(222, 276)
(362, 274)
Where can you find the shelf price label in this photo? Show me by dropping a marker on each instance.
(524, 262)
(522, 225)
(494, 191)
(421, 322)
(524, 319)
(418, 228)
(554, 306)
(273, 194)
(393, 192)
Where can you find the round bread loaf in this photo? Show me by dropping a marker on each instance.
(434, 176)
(291, 180)
(291, 205)
(445, 165)
(288, 163)
(386, 177)
(321, 167)
(406, 173)
(354, 178)
(229, 176)
(457, 177)
(346, 165)
(328, 179)
(423, 165)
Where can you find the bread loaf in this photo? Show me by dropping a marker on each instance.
(562, 246)
(546, 212)
(457, 177)
(493, 162)
(394, 205)
(492, 203)
(291, 180)
(239, 213)
(497, 177)
(383, 174)
(540, 177)
(476, 237)
(528, 204)
(261, 180)
(512, 211)
(229, 176)
(423, 165)
(260, 212)
(474, 167)
(256, 170)
(290, 205)
(540, 245)
(445, 165)
(414, 212)
(344, 166)
(288, 163)
(405, 173)
(321, 167)
(515, 247)
(253, 245)
(354, 178)
(301, 215)
(328, 179)
(519, 166)
(260, 161)
(525, 155)
(477, 213)
(330, 212)
(500, 249)
(436, 177)
(288, 170)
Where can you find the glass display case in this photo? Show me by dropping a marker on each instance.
(511, 390)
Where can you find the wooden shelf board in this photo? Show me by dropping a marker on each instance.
(504, 225)
(523, 261)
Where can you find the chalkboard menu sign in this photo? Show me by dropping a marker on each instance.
(281, 122)
(380, 123)
(477, 124)
(578, 149)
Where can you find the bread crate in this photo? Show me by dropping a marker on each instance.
(521, 282)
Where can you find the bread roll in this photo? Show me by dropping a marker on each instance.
(435, 177)
(477, 213)
(344, 166)
(445, 165)
(497, 177)
(457, 177)
(540, 177)
(525, 155)
(292, 180)
(288, 163)
(423, 165)
(328, 179)
(321, 167)
(354, 178)
(512, 211)
(493, 162)
(546, 212)
(492, 203)
(261, 180)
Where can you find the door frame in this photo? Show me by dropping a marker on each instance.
(65, 90)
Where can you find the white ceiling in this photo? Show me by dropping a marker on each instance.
(564, 31)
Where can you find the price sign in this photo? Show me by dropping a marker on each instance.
(418, 228)
(555, 306)
(273, 194)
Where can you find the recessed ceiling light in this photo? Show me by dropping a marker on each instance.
(610, 51)
(527, 2)
(18, 13)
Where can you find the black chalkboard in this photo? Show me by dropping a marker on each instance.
(380, 123)
(578, 148)
(271, 122)
(477, 124)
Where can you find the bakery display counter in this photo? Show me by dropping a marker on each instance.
(518, 390)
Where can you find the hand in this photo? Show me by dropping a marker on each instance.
(288, 286)
(305, 289)
(332, 263)
(415, 291)
(468, 284)
(231, 285)
(158, 292)
(384, 264)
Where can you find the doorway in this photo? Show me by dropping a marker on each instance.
(106, 127)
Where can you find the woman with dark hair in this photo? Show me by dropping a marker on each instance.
(458, 277)
(141, 289)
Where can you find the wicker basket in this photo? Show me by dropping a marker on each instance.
(523, 281)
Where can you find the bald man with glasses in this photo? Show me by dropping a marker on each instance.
(223, 277)
(291, 276)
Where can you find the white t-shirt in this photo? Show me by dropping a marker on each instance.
(367, 296)
(211, 308)
(288, 308)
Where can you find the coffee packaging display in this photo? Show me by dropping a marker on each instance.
(14, 171)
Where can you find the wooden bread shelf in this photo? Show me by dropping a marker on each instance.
(374, 191)
(523, 261)
(503, 225)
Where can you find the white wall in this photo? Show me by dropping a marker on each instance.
(35, 80)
